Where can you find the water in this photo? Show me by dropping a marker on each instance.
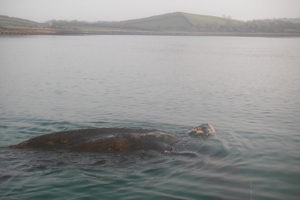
(247, 88)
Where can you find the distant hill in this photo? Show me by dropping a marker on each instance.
(17, 22)
(177, 21)
(197, 20)
(168, 21)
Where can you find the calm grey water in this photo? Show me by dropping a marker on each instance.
(247, 88)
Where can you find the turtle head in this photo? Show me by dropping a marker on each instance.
(205, 130)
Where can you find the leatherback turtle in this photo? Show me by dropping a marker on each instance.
(112, 140)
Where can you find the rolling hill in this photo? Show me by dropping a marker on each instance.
(177, 21)
(17, 22)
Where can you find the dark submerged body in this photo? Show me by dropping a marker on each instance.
(125, 146)
(102, 140)
(111, 140)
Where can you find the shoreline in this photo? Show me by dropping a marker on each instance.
(51, 31)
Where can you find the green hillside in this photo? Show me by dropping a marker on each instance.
(13, 21)
(168, 21)
(177, 21)
(206, 19)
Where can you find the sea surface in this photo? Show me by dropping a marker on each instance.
(247, 88)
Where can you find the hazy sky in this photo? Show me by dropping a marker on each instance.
(117, 10)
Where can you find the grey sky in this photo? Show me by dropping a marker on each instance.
(117, 10)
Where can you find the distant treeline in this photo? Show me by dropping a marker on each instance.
(177, 23)
(86, 25)
(254, 26)
(272, 26)
(294, 20)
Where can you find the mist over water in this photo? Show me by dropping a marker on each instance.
(247, 88)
